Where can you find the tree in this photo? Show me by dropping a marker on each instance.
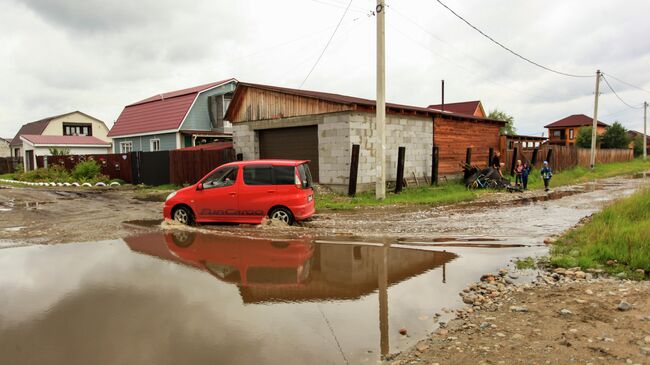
(615, 136)
(583, 140)
(59, 152)
(509, 128)
(638, 145)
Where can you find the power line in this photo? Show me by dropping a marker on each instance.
(339, 5)
(619, 98)
(627, 83)
(327, 44)
(508, 49)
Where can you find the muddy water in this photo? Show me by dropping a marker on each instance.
(190, 297)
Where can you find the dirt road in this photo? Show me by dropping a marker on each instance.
(53, 215)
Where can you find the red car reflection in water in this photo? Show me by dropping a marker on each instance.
(245, 261)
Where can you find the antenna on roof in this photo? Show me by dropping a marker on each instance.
(162, 96)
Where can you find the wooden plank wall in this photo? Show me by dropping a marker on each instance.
(566, 157)
(258, 104)
(453, 137)
(9, 164)
(187, 167)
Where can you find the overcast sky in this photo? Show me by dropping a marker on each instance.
(97, 56)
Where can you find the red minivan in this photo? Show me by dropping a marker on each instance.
(246, 192)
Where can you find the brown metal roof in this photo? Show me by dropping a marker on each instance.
(576, 120)
(346, 100)
(463, 107)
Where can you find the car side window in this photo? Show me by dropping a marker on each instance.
(258, 175)
(223, 177)
(284, 175)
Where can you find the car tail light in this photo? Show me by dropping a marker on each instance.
(297, 181)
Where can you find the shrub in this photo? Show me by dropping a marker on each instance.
(52, 173)
(87, 170)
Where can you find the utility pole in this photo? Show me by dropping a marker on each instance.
(645, 130)
(380, 123)
(594, 127)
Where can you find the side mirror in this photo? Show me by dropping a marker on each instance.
(199, 186)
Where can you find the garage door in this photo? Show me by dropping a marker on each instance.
(297, 143)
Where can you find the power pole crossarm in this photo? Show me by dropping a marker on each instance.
(594, 127)
(380, 123)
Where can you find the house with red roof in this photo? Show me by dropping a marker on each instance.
(176, 119)
(474, 107)
(565, 131)
(76, 132)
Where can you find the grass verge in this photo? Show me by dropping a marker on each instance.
(616, 239)
(453, 192)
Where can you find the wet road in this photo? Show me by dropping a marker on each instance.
(189, 297)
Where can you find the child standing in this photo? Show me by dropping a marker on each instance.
(547, 174)
(519, 170)
(524, 175)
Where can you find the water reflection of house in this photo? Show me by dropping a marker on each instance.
(349, 272)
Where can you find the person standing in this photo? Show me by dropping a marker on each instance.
(547, 174)
(524, 175)
(519, 170)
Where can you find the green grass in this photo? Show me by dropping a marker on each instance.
(453, 192)
(446, 193)
(620, 234)
(525, 263)
(579, 175)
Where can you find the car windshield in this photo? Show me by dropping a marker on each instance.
(225, 176)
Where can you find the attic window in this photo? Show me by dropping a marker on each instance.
(77, 129)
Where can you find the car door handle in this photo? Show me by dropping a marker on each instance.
(233, 194)
(270, 191)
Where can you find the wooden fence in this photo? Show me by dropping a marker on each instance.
(187, 167)
(566, 157)
(152, 168)
(9, 164)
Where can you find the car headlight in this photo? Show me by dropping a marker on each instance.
(171, 195)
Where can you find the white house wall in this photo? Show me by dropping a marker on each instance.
(55, 126)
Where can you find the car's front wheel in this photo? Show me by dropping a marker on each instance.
(183, 215)
(282, 214)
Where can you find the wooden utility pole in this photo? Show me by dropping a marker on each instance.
(645, 130)
(380, 148)
(594, 127)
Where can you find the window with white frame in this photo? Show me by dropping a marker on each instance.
(154, 144)
(126, 147)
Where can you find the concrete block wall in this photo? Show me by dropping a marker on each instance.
(334, 149)
(414, 133)
(245, 141)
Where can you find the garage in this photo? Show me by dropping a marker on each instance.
(295, 143)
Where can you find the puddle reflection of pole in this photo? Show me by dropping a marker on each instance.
(444, 271)
(382, 278)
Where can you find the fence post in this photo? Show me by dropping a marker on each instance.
(468, 160)
(435, 153)
(549, 154)
(401, 152)
(514, 161)
(354, 169)
(490, 155)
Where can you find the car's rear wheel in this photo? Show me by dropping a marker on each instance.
(183, 238)
(282, 214)
(183, 215)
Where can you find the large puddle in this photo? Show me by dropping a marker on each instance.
(190, 297)
(177, 297)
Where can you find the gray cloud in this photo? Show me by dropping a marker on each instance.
(98, 56)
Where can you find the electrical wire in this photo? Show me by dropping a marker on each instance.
(327, 44)
(339, 5)
(619, 98)
(627, 83)
(508, 49)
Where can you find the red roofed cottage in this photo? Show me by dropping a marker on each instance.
(176, 119)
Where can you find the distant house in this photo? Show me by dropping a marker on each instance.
(565, 131)
(277, 122)
(5, 150)
(634, 134)
(474, 108)
(177, 119)
(77, 132)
